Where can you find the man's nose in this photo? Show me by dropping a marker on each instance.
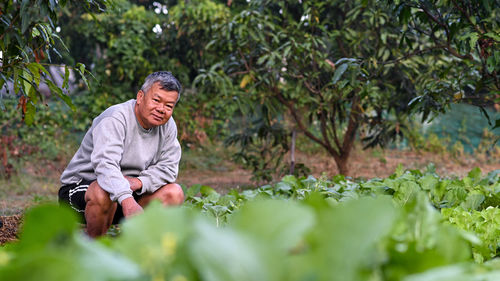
(161, 108)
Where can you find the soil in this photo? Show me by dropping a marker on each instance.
(374, 163)
(363, 164)
(8, 228)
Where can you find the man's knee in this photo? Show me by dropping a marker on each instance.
(172, 194)
(95, 195)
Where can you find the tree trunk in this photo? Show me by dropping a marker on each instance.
(342, 165)
(292, 153)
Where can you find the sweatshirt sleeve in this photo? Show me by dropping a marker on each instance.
(108, 138)
(166, 168)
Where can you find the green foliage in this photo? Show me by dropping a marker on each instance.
(463, 38)
(51, 248)
(262, 143)
(483, 223)
(28, 39)
(123, 39)
(316, 64)
(299, 228)
(419, 194)
(128, 41)
(339, 66)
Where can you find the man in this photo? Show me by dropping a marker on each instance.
(128, 157)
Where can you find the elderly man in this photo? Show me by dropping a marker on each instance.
(128, 157)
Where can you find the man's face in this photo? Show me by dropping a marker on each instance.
(155, 107)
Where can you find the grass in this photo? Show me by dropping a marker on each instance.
(34, 183)
(207, 157)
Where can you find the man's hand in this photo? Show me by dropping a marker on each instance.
(131, 207)
(135, 183)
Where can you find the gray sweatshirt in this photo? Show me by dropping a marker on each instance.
(116, 146)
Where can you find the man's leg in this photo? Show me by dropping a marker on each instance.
(169, 194)
(99, 211)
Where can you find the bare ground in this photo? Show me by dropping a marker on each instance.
(8, 228)
(363, 164)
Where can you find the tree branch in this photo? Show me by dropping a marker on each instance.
(467, 16)
(352, 127)
(239, 73)
(300, 124)
(414, 53)
(334, 128)
(323, 128)
(448, 47)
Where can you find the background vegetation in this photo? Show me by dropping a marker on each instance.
(255, 72)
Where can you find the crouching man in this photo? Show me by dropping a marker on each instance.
(129, 157)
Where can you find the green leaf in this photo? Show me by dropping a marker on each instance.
(29, 115)
(400, 170)
(404, 14)
(80, 67)
(225, 255)
(473, 40)
(2, 82)
(25, 16)
(206, 190)
(283, 187)
(444, 273)
(46, 224)
(26, 79)
(492, 35)
(34, 72)
(345, 239)
(338, 72)
(386, 54)
(473, 201)
(50, 248)
(497, 124)
(66, 77)
(475, 174)
(262, 59)
(156, 239)
(193, 190)
(429, 182)
(58, 91)
(283, 230)
(35, 32)
(16, 80)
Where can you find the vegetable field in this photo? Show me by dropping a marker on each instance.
(412, 225)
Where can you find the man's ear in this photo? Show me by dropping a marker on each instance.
(140, 96)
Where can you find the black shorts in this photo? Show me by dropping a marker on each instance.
(74, 196)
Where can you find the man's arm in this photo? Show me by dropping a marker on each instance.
(166, 168)
(135, 183)
(129, 205)
(108, 139)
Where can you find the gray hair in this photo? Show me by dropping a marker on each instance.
(167, 82)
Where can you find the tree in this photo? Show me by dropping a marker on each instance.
(28, 40)
(330, 66)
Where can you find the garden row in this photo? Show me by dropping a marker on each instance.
(412, 225)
